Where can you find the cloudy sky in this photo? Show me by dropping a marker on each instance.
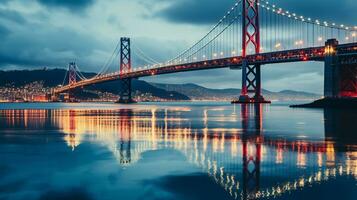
(51, 33)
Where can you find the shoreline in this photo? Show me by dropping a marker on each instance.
(345, 103)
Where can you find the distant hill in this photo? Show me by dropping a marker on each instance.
(197, 92)
(50, 78)
(55, 77)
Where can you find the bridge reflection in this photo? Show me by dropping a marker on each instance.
(241, 159)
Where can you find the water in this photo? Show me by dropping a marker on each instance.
(199, 150)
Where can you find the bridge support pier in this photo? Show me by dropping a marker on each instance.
(125, 92)
(340, 72)
(251, 83)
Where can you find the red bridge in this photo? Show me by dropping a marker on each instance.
(251, 34)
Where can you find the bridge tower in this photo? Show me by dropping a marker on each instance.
(72, 79)
(251, 75)
(340, 72)
(125, 67)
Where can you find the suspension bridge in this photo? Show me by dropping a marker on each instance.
(251, 34)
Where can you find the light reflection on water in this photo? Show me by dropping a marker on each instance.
(249, 152)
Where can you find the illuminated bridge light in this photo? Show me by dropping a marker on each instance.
(278, 45)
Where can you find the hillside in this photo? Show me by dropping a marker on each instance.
(54, 77)
(197, 92)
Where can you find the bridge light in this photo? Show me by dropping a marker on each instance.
(214, 55)
(309, 19)
(347, 38)
(319, 39)
(222, 53)
(278, 45)
(353, 34)
(329, 50)
(233, 52)
(342, 25)
(204, 56)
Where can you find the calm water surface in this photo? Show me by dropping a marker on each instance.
(176, 151)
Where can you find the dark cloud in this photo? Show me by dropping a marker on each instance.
(3, 31)
(71, 194)
(4, 1)
(332, 11)
(194, 11)
(38, 46)
(210, 11)
(71, 4)
(12, 16)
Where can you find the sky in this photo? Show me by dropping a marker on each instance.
(51, 33)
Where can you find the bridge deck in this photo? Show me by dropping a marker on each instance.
(294, 55)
